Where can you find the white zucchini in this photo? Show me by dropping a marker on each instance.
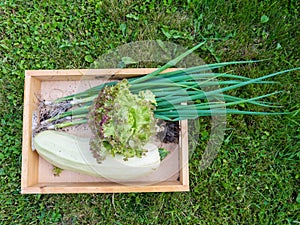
(73, 153)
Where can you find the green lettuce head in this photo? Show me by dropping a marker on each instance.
(121, 122)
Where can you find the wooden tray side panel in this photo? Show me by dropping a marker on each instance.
(67, 188)
(184, 156)
(29, 158)
(76, 74)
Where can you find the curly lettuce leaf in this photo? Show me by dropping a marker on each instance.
(121, 122)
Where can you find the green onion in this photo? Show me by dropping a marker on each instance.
(181, 94)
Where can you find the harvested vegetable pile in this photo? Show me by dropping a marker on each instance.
(124, 115)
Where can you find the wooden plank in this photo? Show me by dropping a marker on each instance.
(29, 158)
(103, 188)
(77, 74)
(184, 154)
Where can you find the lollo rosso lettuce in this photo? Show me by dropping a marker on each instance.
(121, 122)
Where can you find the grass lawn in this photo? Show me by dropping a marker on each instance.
(255, 178)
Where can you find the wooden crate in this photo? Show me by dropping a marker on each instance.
(37, 174)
